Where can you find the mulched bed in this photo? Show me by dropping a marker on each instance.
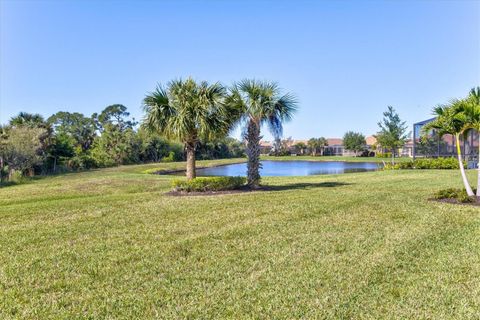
(455, 201)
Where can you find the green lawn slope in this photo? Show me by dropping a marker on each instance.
(109, 244)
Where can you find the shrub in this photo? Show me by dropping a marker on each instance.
(459, 194)
(203, 184)
(83, 161)
(399, 165)
(170, 157)
(437, 163)
(383, 155)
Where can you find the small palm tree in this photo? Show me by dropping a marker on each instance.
(471, 109)
(452, 120)
(317, 143)
(260, 102)
(301, 147)
(188, 111)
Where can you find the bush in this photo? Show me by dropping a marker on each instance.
(452, 193)
(203, 184)
(84, 161)
(367, 153)
(383, 155)
(170, 157)
(437, 163)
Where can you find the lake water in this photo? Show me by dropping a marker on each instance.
(292, 168)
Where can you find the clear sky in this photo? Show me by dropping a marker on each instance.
(345, 60)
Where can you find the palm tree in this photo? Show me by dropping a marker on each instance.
(452, 120)
(471, 109)
(301, 147)
(260, 102)
(317, 143)
(34, 120)
(188, 111)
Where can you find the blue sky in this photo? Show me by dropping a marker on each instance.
(345, 60)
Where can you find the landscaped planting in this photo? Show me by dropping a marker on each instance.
(434, 163)
(460, 195)
(203, 184)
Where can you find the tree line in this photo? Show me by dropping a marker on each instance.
(184, 120)
(31, 144)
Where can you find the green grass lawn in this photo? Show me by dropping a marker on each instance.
(108, 244)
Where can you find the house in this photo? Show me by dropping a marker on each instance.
(434, 145)
(334, 146)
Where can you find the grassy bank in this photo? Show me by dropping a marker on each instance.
(109, 244)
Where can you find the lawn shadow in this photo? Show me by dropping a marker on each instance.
(304, 185)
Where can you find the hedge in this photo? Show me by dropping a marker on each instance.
(203, 184)
(437, 163)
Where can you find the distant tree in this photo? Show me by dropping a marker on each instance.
(354, 141)
(117, 143)
(154, 147)
(220, 149)
(276, 149)
(315, 144)
(32, 120)
(322, 143)
(188, 112)
(260, 103)
(115, 147)
(393, 132)
(81, 129)
(62, 147)
(300, 146)
(35, 120)
(21, 150)
(114, 115)
(236, 149)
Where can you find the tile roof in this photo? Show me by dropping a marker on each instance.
(334, 141)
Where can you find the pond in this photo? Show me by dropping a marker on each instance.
(291, 168)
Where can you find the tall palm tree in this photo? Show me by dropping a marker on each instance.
(260, 102)
(452, 120)
(471, 109)
(188, 111)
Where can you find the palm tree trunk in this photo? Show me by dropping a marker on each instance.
(190, 148)
(253, 154)
(10, 174)
(462, 169)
